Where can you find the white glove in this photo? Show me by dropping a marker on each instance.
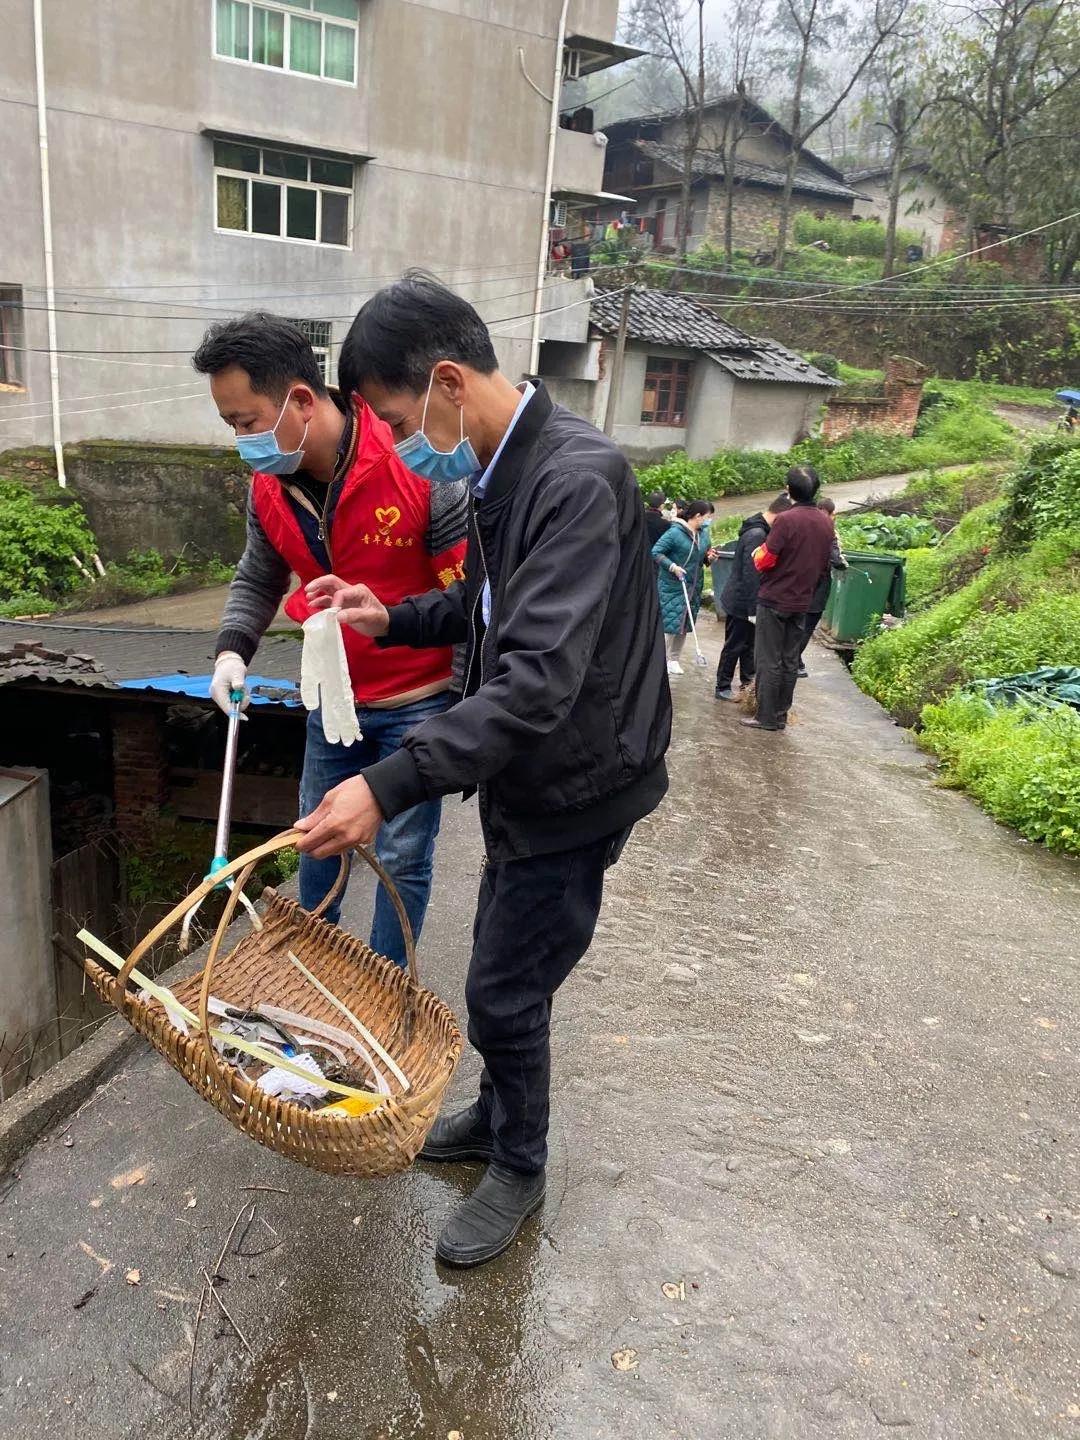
(230, 673)
(324, 677)
(752, 619)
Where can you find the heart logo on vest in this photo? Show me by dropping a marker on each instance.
(387, 518)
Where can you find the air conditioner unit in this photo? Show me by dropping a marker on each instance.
(558, 213)
(571, 65)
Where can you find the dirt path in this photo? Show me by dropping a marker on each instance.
(813, 1169)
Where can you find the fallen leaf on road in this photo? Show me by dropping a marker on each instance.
(133, 1277)
(454, 1435)
(673, 1291)
(1045, 1024)
(127, 1179)
(357, 1219)
(331, 1395)
(625, 1359)
(97, 1202)
(191, 1203)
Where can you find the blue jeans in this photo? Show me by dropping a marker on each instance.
(405, 845)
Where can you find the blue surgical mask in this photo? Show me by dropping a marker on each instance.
(439, 466)
(263, 453)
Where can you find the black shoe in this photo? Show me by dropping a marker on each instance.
(803, 673)
(485, 1224)
(757, 725)
(464, 1136)
(724, 692)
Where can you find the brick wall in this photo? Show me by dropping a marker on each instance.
(895, 411)
(140, 768)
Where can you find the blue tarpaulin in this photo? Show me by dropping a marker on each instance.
(263, 689)
(1068, 397)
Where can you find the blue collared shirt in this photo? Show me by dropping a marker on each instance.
(480, 480)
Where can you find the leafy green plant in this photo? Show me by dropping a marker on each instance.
(1044, 493)
(1021, 763)
(935, 572)
(849, 237)
(39, 544)
(871, 530)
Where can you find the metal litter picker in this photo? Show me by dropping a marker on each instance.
(224, 822)
(699, 658)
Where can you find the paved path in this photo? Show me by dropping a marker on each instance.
(819, 1182)
(201, 610)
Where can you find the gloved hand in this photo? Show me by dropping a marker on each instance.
(230, 673)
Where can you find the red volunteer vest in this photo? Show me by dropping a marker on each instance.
(377, 539)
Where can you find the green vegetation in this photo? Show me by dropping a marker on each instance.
(143, 574)
(998, 596)
(864, 238)
(870, 530)
(952, 435)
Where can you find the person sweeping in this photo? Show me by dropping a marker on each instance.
(680, 555)
(565, 717)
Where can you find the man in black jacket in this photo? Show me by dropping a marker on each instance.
(656, 522)
(738, 600)
(565, 716)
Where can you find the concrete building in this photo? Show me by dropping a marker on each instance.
(209, 156)
(645, 160)
(690, 381)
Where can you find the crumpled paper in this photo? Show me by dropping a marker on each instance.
(324, 677)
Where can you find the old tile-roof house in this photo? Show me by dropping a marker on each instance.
(645, 160)
(690, 380)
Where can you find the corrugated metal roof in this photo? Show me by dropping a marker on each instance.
(660, 317)
(709, 165)
(768, 360)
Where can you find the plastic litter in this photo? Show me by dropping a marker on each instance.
(324, 677)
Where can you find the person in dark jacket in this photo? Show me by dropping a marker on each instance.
(821, 594)
(656, 522)
(738, 600)
(791, 562)
(565, 716)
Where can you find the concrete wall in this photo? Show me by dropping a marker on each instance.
(579, 163)
(769, 416)
(566, 309)
(922, 206)
(455, 186)
(27, 978)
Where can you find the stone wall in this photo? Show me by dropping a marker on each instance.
(140, 767)
(143, 497)
(756, 214)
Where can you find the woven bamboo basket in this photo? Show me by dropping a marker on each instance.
(411, 1023)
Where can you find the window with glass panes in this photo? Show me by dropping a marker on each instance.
(308, 37)
(667, 384)
(11, 335)
(282, 194)
(318, 332)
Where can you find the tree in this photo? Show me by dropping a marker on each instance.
(1004, 134)
(676, 31)
(744, 52)
(899, 100)
(805, 29)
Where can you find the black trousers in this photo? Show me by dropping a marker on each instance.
(738, 652)
(534, 921)
(777, 652)
(810, 624)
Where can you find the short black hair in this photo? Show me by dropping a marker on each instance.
(272, 352)
(405, 329)
(779, 505)
(655, 500)
(828, 505)
(802, 483)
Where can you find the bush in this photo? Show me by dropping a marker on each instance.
(849, 237)
(38, 543)
(933, 573)
(1044, 493)
(827, 364)
(1019, 613)
(947, 496)
(1022, 763)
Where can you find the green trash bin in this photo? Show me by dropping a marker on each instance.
(871, 586)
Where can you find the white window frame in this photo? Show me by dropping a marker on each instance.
(289, 11)
(321, 349)
(284, 183)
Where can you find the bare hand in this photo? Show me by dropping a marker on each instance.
(349, 815)
(359, 607)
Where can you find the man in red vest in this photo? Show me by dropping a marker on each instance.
(331, 496)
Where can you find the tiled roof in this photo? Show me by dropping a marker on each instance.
(105, 655)
(769, 361)
(709, 165)
(663, 318)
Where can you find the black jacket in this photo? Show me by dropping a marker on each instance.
(566, 714)
(821, 594)
(739, 595)
(656, 524)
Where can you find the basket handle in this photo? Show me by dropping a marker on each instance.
(247, 863)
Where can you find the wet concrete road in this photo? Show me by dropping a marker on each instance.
(817, 1077)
